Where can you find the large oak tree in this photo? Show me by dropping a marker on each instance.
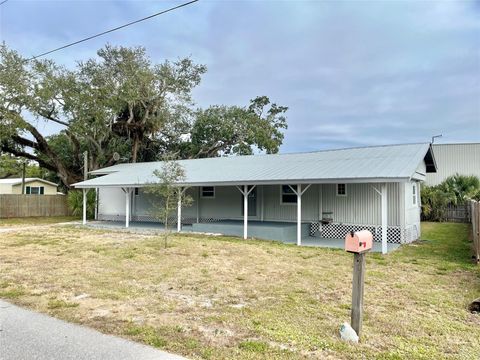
(121, 102)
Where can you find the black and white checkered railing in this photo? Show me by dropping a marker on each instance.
(395, 234)
(149, 218)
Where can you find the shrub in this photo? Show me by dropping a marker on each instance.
(454, 190)
(75, 203)
(435, 202)
(461, 186)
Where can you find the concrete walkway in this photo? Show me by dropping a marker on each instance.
(27, 335)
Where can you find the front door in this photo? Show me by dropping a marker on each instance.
(252, 202)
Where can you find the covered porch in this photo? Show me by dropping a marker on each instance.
(269, 230)
(287, 213)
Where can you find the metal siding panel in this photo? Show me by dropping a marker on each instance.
(142, 204)
(111, 201)
(362, 205)
(454, 158)
(412, 212)
(275, 211)
(227, 204)
(393, 204)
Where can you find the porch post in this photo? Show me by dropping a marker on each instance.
(299, 214)
(179, 211)
(127, 207)
(198, 204)
(84, 209)
(262, 202)
(245, 211)
(384, 218)
(96, 203)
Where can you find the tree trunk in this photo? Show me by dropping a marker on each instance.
(165, 237)
(136, 142)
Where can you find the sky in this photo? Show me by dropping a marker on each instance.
(352, 73)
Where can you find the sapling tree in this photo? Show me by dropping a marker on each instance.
(166, 193)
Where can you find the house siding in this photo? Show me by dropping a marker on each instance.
(361, 205)
(48, 189)
(274, 210)
(412, 212)
(463, 159)
(360, 208)
(17, 188)
(111, 204)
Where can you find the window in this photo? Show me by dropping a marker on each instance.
(287, 195)
(34, 190)
(341, 189)
(136, 192)
(208, 192)
(414, 193)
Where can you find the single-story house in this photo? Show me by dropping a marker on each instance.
(322, 194)
(451, 159)
(33, 186)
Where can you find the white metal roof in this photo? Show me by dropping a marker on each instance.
(16, 181)
(364, 164)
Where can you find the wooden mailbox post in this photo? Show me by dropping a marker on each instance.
(358, 243)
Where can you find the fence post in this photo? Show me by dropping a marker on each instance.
(475, 221)
(477, 231)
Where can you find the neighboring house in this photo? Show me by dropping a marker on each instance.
(33, 186)
(323, 194)
(463, 159)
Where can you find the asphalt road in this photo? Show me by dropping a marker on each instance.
(27, 335)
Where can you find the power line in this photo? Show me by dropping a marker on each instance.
(112, 30)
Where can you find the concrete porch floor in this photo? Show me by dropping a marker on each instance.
(312, 241)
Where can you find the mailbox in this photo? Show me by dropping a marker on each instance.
(358, 242)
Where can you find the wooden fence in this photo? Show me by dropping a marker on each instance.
(458, 213)
(475, 211)
(33, 205)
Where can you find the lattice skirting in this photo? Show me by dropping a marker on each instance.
(148, 218)
(395, 234)
(412, 233)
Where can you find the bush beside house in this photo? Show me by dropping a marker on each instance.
(453, 191)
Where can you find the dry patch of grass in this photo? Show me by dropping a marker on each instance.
(29, 221)
(220, 297)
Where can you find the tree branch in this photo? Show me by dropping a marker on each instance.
(51, 118)
(25, 142)
(27, 155)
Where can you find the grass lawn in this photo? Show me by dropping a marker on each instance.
(225, 298)
(14, 222)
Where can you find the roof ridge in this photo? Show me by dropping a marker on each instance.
(279, 154)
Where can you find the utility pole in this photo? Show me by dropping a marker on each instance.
(85, 177)
(24, 166)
